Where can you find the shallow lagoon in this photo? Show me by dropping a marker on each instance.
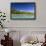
(22, 16)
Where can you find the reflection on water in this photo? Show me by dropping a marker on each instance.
(22, 16)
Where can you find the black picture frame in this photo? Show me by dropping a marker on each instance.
(11, 17)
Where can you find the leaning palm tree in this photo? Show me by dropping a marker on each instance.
(13, 10)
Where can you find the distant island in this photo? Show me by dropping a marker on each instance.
(13, 11)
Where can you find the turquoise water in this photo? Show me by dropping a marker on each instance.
(22, 16)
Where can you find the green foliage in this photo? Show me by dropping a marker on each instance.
(20, 12)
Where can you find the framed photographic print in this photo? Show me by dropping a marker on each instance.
(23, 10)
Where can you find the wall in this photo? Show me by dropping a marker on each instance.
(26, 25)
(40, 13)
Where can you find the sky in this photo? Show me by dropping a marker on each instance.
(28, 7)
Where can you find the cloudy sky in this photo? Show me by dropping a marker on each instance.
(28, 7)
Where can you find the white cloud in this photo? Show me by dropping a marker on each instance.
(27, 10)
